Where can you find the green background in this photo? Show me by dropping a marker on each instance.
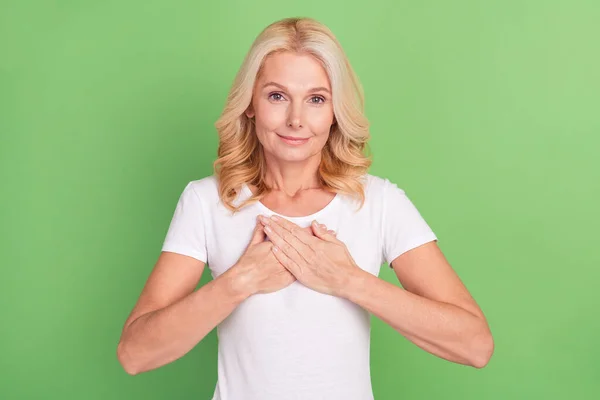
(485, 112)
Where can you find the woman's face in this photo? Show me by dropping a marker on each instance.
(292, 107)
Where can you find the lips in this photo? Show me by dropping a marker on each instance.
(291, 137)
(292, 140)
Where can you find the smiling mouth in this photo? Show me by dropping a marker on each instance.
(292, 140)
(291, 137)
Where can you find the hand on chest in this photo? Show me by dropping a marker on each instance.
(361, 239)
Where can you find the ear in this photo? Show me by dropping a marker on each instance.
(249, 112)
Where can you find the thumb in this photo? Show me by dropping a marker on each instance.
(322, 232)
(258, 235)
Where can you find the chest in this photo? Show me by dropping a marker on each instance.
(360, 231)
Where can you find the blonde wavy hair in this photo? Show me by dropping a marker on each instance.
(240, 157)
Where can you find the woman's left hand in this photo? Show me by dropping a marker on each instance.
(321, 262)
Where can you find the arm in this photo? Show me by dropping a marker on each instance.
(170, 318)
(434, 310)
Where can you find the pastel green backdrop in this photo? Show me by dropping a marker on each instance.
(485, 112)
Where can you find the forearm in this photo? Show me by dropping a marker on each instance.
(442, 329)
(162, 336)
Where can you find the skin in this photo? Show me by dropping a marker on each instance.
(292, 97)
(433, 309)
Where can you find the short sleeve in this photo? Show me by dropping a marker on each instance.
(403, 226)
(186, 234)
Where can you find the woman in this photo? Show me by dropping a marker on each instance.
(291, 296)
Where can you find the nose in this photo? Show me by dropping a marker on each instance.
(294, 123)
(294, 116)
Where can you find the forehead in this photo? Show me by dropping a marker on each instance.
(294, 69)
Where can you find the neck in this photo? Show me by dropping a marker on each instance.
(292, 177)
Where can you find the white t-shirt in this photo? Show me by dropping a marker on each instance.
(296, 343)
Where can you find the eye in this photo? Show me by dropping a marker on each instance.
(276, 96)
(317, 99)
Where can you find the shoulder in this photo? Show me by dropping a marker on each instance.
(385, 195)
(378, 186)
(205, 189)
(205, 185)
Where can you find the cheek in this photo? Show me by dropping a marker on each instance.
(269, 117)
(320, 122)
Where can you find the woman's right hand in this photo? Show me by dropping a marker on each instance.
(258, 268)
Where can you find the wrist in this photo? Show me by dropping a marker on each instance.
(239, 282)
(356, 282)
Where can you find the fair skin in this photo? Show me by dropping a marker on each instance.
(292, 98)
(434, 310)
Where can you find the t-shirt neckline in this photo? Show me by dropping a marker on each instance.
(312, 216)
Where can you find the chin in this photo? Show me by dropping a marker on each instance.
(291, 156)
(287, 154)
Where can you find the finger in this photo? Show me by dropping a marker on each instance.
(301, 234)
(331, 231)
(258, 235)
(286, 261)
(289, 244)
(292, 234)
(322, 232)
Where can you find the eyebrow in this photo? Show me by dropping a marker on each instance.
(317, 89)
